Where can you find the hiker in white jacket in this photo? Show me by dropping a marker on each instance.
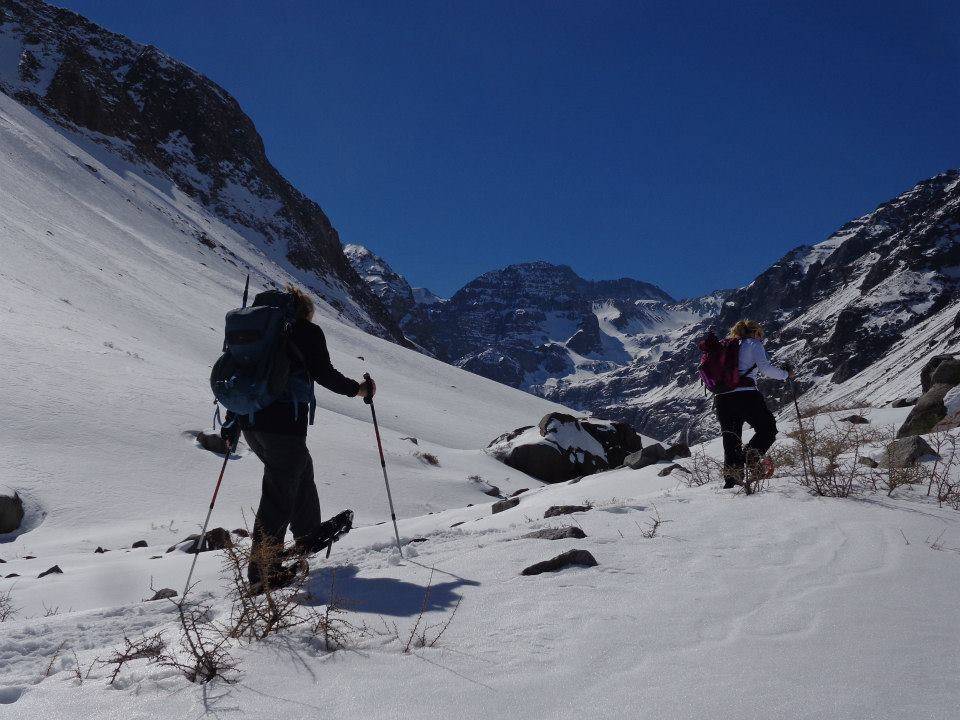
(745, 404)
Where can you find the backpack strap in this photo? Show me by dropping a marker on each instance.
(292, 346)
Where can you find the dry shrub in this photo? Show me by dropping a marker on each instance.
(942, 476)
(204, 647)
(703, 469)
(255, 617)
(420, 632)
(827, 459)
(146, 647)
(8, 610)
(428, 458)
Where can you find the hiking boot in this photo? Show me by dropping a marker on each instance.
(279, 577)
(730, 482)
(732, 476)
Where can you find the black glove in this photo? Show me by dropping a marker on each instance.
(230, 431)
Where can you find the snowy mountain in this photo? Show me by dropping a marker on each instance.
(141, 106)
(857, 313)
(701, 603)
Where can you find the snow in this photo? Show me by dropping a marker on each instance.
(778, 605)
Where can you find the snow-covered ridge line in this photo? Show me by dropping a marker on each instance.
(154, 111)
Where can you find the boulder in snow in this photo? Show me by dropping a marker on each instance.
(212, 442)
(929, 410)
(557, 510)
(946, 373)
(869, 462)
(139, 544)
(904, 402)
(100, 550)
(163, 594)
(500, 506)
(926, 375)
(650, 455)
(855, 420)
(216, 539)
(580, 558)
(670, 468)
(556, 534)
(907, 452)
(55, 570)
(11, 512)
(563, 447)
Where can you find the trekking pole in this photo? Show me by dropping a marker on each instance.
(800, 434)
(383, 465)
(203, 532)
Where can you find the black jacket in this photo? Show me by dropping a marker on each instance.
(280, 417)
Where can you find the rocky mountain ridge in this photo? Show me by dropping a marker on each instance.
(858, 314)
(148, 109)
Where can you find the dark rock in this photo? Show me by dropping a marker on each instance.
(928, 411)
(568, 447)
(580, 558)
(100, 550)
(493, 491)
(411, 439)
(216, 539)
(2, 561)
(55, 570)
(648, 456)
(242, 532)
(11, 512)
(521, 491)
(458, 523)
(670, 468)
(557, 510)
(926, 375)
(12, 575)
(557, 534)
(212, 442)
(29, 557)
(499, 507)
(904, 402)
(508, 436)
(678, 450)
(855, 420)
(869, 462)
(163, 594)
(907, 452)
(139, 544)
(946, 373)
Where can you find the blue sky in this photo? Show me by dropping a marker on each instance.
(687, 144)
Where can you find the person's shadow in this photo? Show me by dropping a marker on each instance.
(380, 596)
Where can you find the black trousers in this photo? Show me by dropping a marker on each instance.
(733, 410)
(289, 495)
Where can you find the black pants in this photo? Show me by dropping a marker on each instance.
(289, 496)
(733, 410)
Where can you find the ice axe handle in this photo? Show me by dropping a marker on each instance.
(368, 400)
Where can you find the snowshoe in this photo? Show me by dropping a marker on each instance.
(279, 578)
(326, 535)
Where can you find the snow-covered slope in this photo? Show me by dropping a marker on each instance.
(775, 606)
(113, 315)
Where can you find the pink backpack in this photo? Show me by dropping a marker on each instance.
(720, 364)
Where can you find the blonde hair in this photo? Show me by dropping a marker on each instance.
(305, 307)
(747, 329)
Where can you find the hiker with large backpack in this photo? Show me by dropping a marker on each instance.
(730, 368)
(273, 353)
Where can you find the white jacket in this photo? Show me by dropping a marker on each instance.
(753, 358)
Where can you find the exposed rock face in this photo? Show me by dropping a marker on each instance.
(557, 510)
(556, 534)
(571, 558)
(563, 447)
(875, 298)
(11, 512)
(929, 410)
(151, 109)
(907, 452)
(501, 505)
